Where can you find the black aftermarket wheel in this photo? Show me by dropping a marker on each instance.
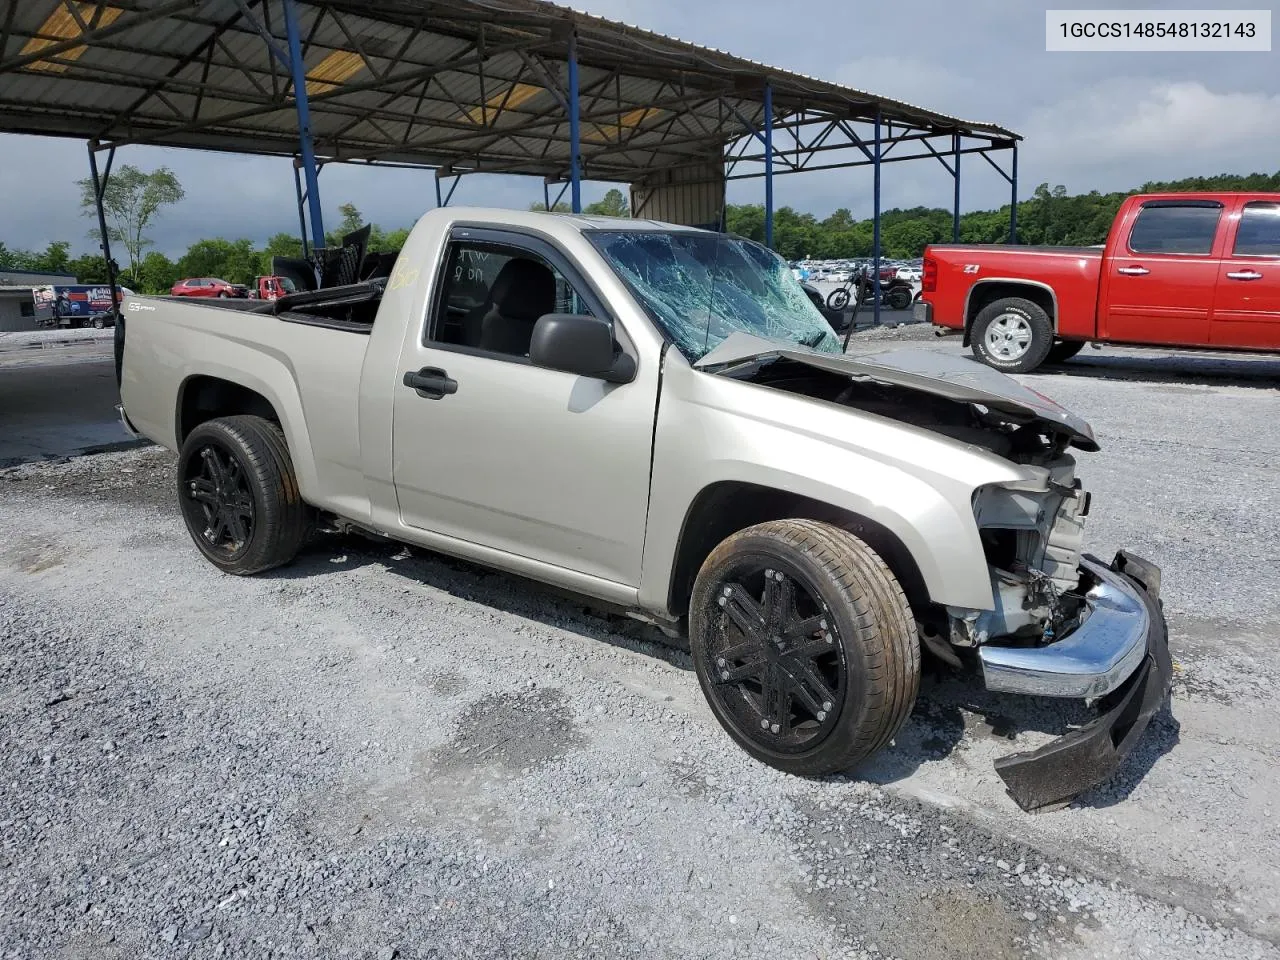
(804, 645)
(239, 495)
(838, 299)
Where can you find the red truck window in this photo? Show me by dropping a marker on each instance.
(1172, 226)
(1259, 232)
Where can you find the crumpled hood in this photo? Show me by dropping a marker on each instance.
(954, 378)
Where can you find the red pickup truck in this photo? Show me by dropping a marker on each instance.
(1186, 269)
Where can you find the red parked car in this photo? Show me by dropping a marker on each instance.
(1178, 269)
(207, 287)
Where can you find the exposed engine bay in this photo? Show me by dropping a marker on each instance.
(1032, 533)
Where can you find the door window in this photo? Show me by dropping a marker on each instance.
(1259, 232)
(1175, 227)
(492, 295)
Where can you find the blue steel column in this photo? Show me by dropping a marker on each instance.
(955, 213)
(575, 151)
(875, 224)
(1013, 202)
(304, 122)
(302, 217)
(768, 165)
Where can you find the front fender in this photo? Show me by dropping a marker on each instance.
(915, 483)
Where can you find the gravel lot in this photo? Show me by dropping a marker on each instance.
(383, 753)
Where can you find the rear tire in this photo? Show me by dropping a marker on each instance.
(1064, 350)
(899, 298)
(1013, 335)
(239, 495)
(827, 667)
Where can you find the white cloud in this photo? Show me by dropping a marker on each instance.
(1137, 130)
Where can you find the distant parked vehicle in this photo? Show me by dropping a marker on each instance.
(72, 305)
(105, 319)
(894, 293)
(273, 288)
(1178, 269)
(208, 287)
(910, 273)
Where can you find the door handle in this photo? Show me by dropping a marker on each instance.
(1133, 271)
(1244, 275)
(431, 382)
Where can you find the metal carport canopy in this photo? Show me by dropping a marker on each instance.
(472, 85)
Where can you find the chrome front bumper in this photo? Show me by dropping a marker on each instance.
(1091, 661)
(1089, 755)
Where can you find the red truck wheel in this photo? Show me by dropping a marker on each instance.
(1013, 335)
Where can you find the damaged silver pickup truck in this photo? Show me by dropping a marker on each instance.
(657, 418)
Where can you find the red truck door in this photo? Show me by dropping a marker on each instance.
(1246, 308)
(1160, 271)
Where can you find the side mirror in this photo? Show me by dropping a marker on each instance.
(581, 345)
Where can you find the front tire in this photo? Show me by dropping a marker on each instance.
(804, 645)
(239, 495)
(1012, 334)
(838, 299)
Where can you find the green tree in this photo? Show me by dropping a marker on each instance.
(351, 219)
(560, 207)
(278, 245)
(157, 273)
(612, 204)
(131, 200)
(235, 261)
(55, 258)
(90, 268)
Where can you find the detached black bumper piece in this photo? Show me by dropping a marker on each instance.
(1059, 771)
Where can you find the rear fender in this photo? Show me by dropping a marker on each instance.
(980, 293)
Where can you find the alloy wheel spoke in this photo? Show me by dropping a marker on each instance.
(743, 610)
(779, 600)
(740, 651)
(811, 689)
(755, 667)
(217, 471)
(805, 628)
(202, 490)
(815, 647)
(777, 701)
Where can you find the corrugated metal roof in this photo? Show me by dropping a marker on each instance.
(404, 81)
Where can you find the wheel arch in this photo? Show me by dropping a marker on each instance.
(202, 397)
(723, 508)
(210, 394)
(990, 289)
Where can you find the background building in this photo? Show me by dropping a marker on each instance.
(17, 306)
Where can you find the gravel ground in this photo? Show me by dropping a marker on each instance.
(378, 752)
(28, 339)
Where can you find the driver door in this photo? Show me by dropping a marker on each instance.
(542, 464)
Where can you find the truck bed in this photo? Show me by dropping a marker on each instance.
(352, 308)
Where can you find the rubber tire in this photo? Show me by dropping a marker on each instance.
(873, 621)
(899, 299)
(223, 295)
(282, 519)
(1064, 350)
(838, 299)
(97, 324)
(1041, 334)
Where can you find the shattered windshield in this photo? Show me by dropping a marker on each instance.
(702, 287)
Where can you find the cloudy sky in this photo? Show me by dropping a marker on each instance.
(1091, 121)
